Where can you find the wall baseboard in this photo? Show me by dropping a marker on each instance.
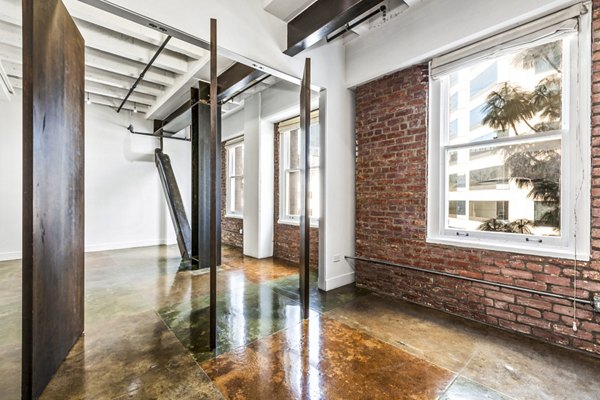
(339, 281)
(16, 255)
(126, 245)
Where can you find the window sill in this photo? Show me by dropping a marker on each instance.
(292, 222)
(510, 247)
(236, 216)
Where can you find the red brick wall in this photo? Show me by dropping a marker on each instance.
(391, 173)
(286, 238)
(230, 227)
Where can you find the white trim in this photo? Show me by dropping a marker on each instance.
(576, 159)
(9, 256)
(339, 281)
(127, 245)
(230, 147)
(314, 222)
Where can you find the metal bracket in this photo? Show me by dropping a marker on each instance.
(596, 302)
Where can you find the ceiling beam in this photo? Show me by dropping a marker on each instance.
(120, 45)
(117, 93)
(172, 96)
(104, 40)
(322, 18)
(237, 78)
(85, 12)
(95, 98)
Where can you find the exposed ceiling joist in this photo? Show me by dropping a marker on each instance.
(111, 79)
(180, 90)
(118, 93)
(129, 48)
(110, 63)
(322, 18)
(83, 12)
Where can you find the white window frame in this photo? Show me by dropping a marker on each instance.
(575, 169)
(284, 150)
(230, 148)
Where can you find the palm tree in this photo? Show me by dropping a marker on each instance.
(532, 166)
(492, 225)
(507, 106)
(551, 53)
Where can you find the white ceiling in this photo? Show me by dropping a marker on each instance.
(117, 50)
(286, 10)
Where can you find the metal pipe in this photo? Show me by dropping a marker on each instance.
(502, 285)
(360, 21)
(130, 129)
(146, 68)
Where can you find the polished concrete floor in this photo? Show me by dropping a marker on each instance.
(146, 335)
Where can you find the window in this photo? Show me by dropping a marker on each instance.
(235, 179)
(290, 174)
(509, 140)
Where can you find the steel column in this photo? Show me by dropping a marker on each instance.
(304, 190)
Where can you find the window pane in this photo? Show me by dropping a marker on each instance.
(457, 208)
(239, 161)
(314, 145)
(294, 149)
(293, 193)
(512, 95)
(510, 189)
(238, 205)
(314, 207)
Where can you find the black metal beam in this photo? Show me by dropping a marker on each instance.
(353, 25)
(146, 68)
(321, 19)
(156, 135)
(236, 79)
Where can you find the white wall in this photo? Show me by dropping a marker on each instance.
(124, 203)
(10, 178)
(431, 28)
(245, 28)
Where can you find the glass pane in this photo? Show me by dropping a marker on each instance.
(514, 94)
(239, 161)
(314, 145)
(238, 205)
(313, 193)
(293, 193)
(294, 154)
(510, 189)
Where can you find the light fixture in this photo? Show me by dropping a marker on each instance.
(88, 100)
(135, 108)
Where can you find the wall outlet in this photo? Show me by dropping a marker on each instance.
(596, 301)
(337, 258)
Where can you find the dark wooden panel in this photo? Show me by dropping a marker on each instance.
(53, 188)
(304, 193)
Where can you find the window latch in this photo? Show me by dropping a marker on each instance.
(533, 240)
(462, 234)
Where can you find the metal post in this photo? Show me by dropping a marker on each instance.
(304, 191)
(215, 208)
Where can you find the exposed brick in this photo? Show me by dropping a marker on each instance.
(391, 209)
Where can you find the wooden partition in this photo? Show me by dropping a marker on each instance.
(53, 202)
